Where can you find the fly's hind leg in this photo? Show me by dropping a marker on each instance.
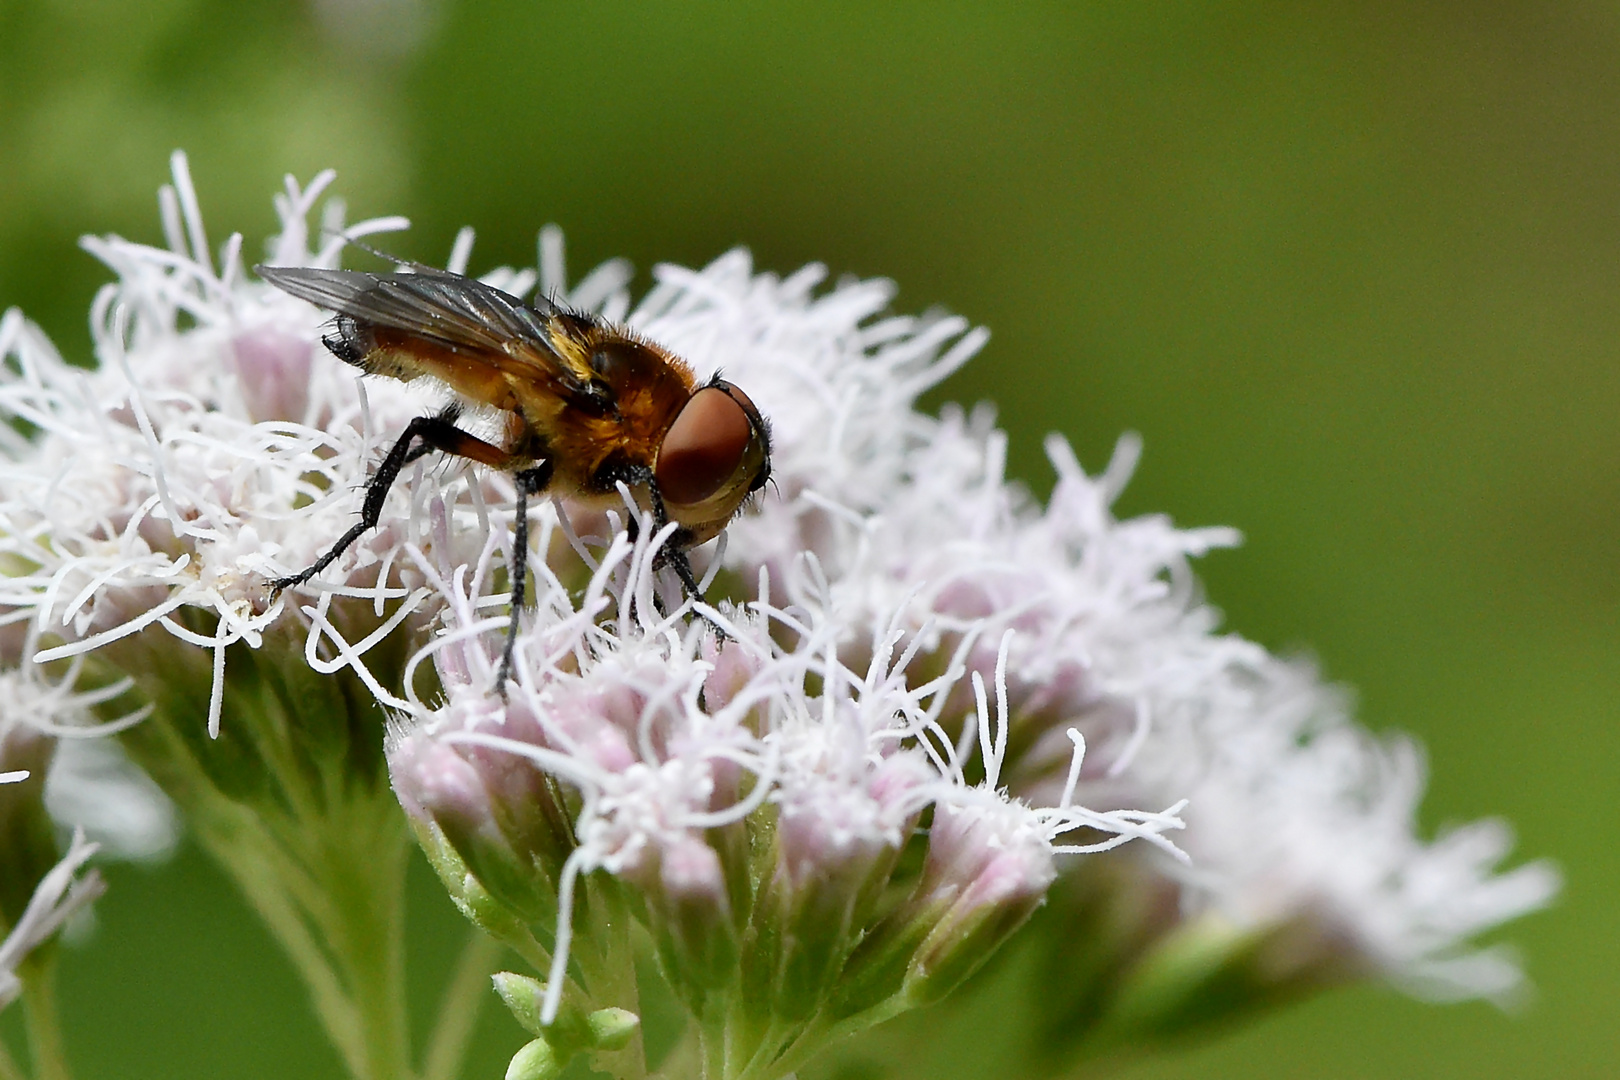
(434, 433)
(529, 482)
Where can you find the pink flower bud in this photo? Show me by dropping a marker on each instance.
(734, 667)
(272, 369)
(692, 922)
(988, 869)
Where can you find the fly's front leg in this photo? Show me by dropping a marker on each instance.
(676, 557)
(529, 482)
(670, 555)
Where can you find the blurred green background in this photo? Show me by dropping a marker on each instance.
(1353, 270)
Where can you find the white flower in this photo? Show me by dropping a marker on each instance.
(89, 784)
(216, 445)
(612, 698)
(58, 896)
(172, 478)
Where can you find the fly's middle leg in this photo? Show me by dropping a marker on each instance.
(529, 482)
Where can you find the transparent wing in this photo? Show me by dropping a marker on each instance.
(442, 307)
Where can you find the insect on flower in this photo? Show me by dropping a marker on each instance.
(585, 407)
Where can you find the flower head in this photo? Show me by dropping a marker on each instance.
(215, 446)
(763, 831)
(1295, 812)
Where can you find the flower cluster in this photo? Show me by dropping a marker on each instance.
(758, 797)
(163, 483)
(931, 693)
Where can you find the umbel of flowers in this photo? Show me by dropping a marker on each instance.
(936, 706)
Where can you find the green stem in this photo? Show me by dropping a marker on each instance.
(713, 1044)
(332, 1005)
(609, 971)
(293, 801)
(9, 1069)
(458, 1008)
(338, 911)
(769, 1048)
(41, 1022)
(781, 1053)
(369, 938)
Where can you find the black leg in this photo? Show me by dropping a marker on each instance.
(670, 555)
(529, 482)
(436, 433)
(418, 453)
(371, 510)
(681, 563)
(677, 559)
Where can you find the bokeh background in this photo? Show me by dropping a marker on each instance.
(1353, 271)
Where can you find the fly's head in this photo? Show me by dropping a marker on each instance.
(715, 454)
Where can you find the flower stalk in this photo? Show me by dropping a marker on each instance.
(46, 1049)
(292, 800)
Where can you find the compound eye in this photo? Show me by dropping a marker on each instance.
(704, 447)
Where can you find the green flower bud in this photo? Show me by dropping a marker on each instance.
(536, 1061)
(612, 1029)
(573, 1031)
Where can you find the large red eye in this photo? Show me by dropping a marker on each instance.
(704, 447)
